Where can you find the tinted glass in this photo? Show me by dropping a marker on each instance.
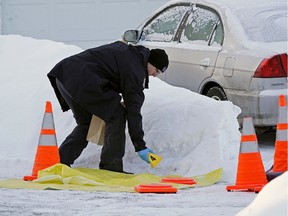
(164, 26)
(199, 26)
(217, 35)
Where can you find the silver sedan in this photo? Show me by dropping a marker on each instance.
(225, 49)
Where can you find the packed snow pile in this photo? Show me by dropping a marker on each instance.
(193, 133)
(272, 199)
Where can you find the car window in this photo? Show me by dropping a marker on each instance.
(164, 26)
(199, 27)
(217, 35)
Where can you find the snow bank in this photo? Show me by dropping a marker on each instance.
(271, 200)
(24, 87)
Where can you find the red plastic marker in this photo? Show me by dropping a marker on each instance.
(188, 181)
(155, 188)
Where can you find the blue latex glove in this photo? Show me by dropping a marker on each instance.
(143, 154)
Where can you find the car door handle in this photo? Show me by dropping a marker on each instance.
(205, 62)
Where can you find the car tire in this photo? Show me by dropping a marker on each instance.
(216, 93)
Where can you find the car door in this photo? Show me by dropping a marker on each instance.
(194, 55)
(161, 29)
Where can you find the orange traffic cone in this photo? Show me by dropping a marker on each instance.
(250, 173)
(47, 151)
(281, 143)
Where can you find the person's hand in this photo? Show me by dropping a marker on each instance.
(143, 154)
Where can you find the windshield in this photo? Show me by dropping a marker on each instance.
(264, 24)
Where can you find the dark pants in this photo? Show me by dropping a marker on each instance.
(114, 142)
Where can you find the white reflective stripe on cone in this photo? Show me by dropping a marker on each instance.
(249, 147)
(282, 135)
(248, 127)
(48, 122)
(47, 140)
(249, 142)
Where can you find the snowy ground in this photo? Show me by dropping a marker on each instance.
(190, 137)
(211, 200)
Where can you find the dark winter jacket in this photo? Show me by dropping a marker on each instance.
(95, 78)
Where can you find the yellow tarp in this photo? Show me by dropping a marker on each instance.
(63, 177)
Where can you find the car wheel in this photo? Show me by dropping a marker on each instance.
(216, 93)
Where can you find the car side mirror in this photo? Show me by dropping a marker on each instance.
(131, 36)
